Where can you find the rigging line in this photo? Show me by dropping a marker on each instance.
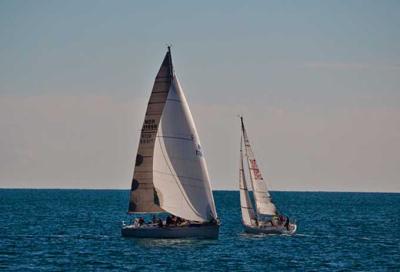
(177, 183)
(175, 137)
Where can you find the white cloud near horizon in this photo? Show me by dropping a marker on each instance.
(91, 142)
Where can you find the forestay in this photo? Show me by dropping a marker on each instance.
(180, 172)
(262, 197)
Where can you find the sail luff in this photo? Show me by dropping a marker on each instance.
(263, 200)
(143, 197)
(248, 215)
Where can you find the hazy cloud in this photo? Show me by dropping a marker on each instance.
(91, 141)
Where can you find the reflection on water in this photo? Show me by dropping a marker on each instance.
(178, 243)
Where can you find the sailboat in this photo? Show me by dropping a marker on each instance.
(170, 174)
(265, 218)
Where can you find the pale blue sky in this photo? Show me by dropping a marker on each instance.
(317, 81)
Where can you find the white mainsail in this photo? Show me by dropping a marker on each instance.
(180, 173)
(262, 197)
(248, 216)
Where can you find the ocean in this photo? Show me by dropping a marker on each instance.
(79, 230)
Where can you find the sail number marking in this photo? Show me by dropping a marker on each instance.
(256, 171)
(148, 130)
(149, 124)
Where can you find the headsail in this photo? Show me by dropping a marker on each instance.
(248, 216)
(262, 197)
(180, 172)
(143, 197)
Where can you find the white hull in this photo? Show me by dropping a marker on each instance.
(271, 230)
(191, 231)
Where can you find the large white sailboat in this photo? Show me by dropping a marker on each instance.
(265, 218)
(170, 173)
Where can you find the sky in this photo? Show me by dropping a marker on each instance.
(318, 84)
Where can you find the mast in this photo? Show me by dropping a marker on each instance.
(171, 68)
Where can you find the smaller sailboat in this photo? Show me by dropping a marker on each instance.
(265, 218)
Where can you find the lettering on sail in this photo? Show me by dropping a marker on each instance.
(148, 131)
(256, 171)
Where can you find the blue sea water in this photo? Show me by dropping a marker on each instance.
(79, 230)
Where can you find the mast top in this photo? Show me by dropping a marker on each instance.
(241, 120)
(171, 68)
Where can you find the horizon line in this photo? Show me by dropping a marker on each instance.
(216, 190)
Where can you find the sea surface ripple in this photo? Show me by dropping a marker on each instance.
(79, 230)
